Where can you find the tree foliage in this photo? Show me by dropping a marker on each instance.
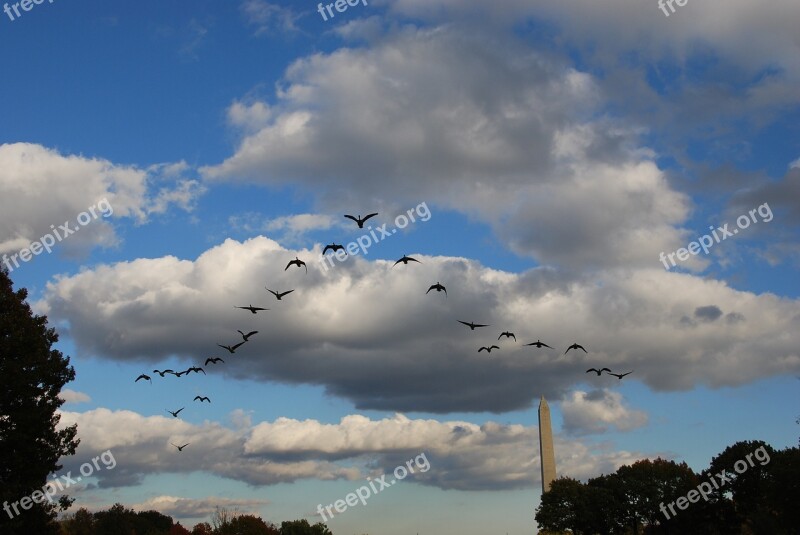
(30, 443)
(760, 499)
(302, 527)
(120, 520)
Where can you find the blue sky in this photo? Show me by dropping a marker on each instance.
(551, 152)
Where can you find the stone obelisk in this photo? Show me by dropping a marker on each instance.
(546, 452)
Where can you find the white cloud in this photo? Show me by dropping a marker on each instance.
(501, 133)
(249, 117)
(754, 36)
(72, 396)
(460, 455)
(49, 189)
(363, 321)
(598, 412)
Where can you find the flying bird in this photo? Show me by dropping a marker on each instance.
(178, 374)
(253, 309)
(438, 287)
(539, 344)
(472, 325)
(576, 347)
(175, 414)
(297, 262)
(359, 221)
(248, 335)
(598, 372)
(162, 373)
(196, 369)
(145, 377)
(507, 335)
(180, 448)
(488, 349)
(406, 259)
(202, 398)
(213, 360)
(231, 349)
(278, 295)
(334, 247)
(619, 375)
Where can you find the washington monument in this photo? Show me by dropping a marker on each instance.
(546, 453)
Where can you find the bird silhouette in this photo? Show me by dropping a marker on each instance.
(488, 349)
(438, 287)
(278, 295)
(359, 220)
(231, 349)
(619, 375)
(213, 360)
(175, 414)
(296, 262)
(180, 448)
(507, 335)
(195, 369)
(252, 309)
(248, 335)
(334, 247)
(178, 374)
(405, 260)
(575, 347)
(162, 373)
(472, 325)
(145, 377)
(538, 343)
(598, 372)
(201, 399)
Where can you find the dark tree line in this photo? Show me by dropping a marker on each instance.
(761, 499)
(30, 445)
(121, 521)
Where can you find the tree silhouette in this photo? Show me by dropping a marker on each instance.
(30, 445)
(302, 527)
(248, 525)
(79, 523)
(203, 528)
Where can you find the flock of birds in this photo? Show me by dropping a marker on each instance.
(538, 343)
(405, 259)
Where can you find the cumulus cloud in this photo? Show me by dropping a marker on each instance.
(461, 455)
(503, 133)
(741, 32)
(72, 396)
(49, 189)
(249, 117)
(599, 411)
(367, 332)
